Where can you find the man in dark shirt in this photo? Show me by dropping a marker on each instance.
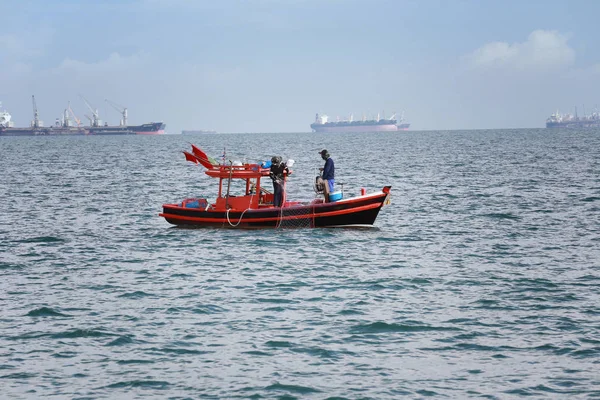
(277, 174)
(328, 174)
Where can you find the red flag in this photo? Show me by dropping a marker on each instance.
(196, 159)
(203, 158)
(199, 153)
(190, 157)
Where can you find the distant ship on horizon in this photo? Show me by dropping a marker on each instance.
(377, 124)
(69, 124)
(197, 132)
(558, 120)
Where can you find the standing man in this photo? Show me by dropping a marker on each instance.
(278, 169)
(328, 174)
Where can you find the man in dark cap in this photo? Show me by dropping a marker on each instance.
(277, 174)
(327, 173)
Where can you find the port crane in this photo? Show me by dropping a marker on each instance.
(120, 109)
(94, 120)
(72, 113)
(36, 123)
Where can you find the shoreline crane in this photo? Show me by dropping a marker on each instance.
(94, 121)
(36, 123)
(122, 110)
(77, 120)
(67, 117)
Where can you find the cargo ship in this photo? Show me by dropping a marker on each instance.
(60, 127)
(151, 128)
(403, 126)
(558, 120)
(69, 124)
(197, 132)
(378, 124)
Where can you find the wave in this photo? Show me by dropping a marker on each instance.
(46, 312)
(383, 327)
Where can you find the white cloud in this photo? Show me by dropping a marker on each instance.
(595, 69)
(114, 62)
(20, 69)
(17, 48)
(10, 43)
(542, 50)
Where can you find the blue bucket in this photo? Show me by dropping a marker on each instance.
(335, 196)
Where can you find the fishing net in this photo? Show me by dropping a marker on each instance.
(295, 217)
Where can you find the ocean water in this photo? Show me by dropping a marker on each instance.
(480, 280)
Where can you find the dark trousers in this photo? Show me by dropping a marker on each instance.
(277, 194)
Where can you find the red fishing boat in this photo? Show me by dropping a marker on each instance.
(253, 206)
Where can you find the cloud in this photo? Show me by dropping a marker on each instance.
(19, 69)
(18, 47)
(542, 50)
(595, 69)
(115, 62)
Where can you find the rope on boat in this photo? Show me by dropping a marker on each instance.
(240, 220)
(242, 214)
(282, 203)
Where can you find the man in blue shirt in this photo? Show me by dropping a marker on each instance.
(328, 174)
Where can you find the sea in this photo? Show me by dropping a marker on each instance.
(480, 280)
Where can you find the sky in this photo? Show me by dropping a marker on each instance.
(271, 65)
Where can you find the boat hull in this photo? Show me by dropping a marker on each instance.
(152, 128)
(354, 128)
(356, 211)
(574, 124)
(197, 132)
(44, 131)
